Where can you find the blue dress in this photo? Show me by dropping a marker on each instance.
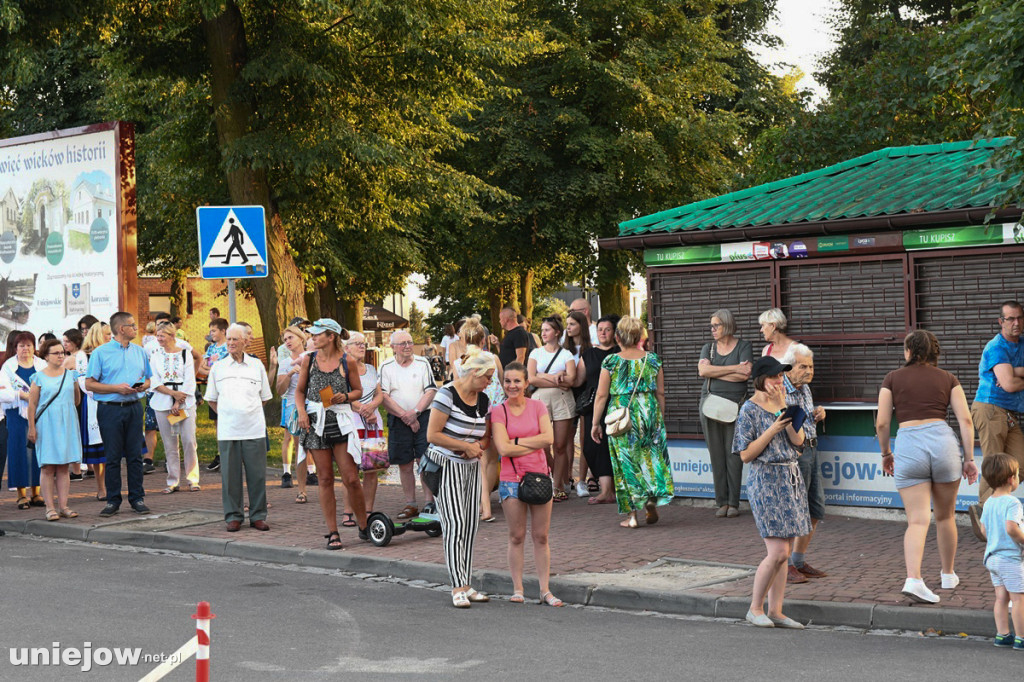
(58, 438)
(22, 469)
(775, 487)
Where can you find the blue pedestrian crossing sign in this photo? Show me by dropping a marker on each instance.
(232, 242)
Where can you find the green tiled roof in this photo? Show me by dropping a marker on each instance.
(891, 181)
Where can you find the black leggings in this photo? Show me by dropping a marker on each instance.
(598, 458)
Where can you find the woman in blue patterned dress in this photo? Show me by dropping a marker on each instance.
(639, 456)
(775, 487)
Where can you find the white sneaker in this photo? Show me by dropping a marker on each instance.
(917, 591)
(949, 580)
(582, 490)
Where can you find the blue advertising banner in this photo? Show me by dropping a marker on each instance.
(850, 468)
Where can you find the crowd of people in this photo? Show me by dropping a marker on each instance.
(775, 431)
(505, 420)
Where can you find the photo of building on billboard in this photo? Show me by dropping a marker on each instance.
(64, 246)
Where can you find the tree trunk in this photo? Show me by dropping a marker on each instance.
(279, 296)
(179, 295)
(513, 296)
(494, 302)
(312, 298)
(526, 293)
(613, 283)
(352, 312)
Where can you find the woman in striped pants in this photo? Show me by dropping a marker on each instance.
(459, 432)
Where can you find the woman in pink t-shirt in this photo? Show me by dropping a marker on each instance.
(521, 429)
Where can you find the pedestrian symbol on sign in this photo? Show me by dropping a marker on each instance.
(233, 243)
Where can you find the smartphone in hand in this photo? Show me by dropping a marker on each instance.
(796, 414)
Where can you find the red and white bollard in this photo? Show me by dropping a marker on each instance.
(203, 617)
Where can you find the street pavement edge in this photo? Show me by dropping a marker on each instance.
(862, 616)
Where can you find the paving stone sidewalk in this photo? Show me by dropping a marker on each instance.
(863, 558)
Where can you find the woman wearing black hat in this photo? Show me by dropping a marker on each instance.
(765, 437)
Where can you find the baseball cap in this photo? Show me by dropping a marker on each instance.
(324, 324)
(768, 366)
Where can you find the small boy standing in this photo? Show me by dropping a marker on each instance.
(1001, 523)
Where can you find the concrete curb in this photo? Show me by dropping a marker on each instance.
(861, 616)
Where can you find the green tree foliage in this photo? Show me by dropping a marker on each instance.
(987, 52)
(417, 328)
(880, 91)
(626, 107)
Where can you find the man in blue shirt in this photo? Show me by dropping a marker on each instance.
(118, 376)
(996, 409)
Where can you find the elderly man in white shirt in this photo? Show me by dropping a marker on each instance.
(241, 430)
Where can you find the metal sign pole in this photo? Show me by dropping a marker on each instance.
(232, 314)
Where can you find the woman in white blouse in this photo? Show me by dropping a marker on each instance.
(174, 401)
(367, 419)
(552, 373)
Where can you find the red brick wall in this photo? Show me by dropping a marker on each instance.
(206, 294)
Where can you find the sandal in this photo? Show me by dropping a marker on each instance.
(301, 498)
(68, 513)
(487, 519)
(598, 500)
(348, 520)
(477, 596)
(550, 600)
(630, 522)
(23, 503)
(169, 489)
(37, 501)
(194, 488)
(517, 598)
(52, 515)
(651, 511)
(333, 540)
(409, 511)
(593, 485)
(560, 496)
(460, 600)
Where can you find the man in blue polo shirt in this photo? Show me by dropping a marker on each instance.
(118, 376)
(996, 410)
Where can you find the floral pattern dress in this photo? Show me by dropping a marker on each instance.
(775, 486)
(639, 456)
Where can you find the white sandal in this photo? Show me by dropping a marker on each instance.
(477, 596)
(460, 600)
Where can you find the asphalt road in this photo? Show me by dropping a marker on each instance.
(275, 623)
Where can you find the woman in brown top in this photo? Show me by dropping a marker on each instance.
(926, 460)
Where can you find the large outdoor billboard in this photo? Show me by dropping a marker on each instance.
(67, 227)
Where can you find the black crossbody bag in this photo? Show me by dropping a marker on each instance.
(55, 396)
(332, 432)
(534, 487)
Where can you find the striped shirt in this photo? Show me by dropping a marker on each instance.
(465, 422)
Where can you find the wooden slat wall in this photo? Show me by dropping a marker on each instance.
(852, 312)
(679, 315)
(957, 298)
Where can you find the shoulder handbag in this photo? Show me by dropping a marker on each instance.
(530, 390)
(585, 401)
(617, 422)
(715, 407)
(534, 487)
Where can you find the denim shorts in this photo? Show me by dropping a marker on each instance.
(1005, 572)
(507, 489)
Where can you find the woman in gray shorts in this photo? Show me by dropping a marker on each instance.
(926, 459)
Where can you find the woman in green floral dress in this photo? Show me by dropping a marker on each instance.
(639, 456)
